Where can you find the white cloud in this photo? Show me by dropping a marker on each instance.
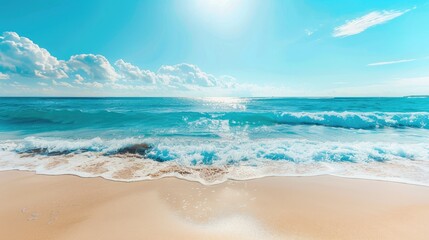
(391, 62)
(186, 74)
(61, 84)
(19, 55)
(129, 87)
(180, 76)
(361, 24)
(131, 72)
(3, 76)
(96, 67)
(42, 84)
(78, 79)
(23, 59)
(94, 85)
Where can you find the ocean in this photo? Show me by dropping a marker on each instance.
(211, 140)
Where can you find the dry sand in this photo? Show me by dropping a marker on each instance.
(69, 207)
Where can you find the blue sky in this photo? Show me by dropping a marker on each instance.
(214, 48)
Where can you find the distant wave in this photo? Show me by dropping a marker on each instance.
(353, 120)
(357, 120)
(63, 116)
(417, 96)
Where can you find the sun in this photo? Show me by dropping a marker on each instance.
(221, 7)
(221, 16)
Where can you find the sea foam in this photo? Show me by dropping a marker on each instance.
(214, 161)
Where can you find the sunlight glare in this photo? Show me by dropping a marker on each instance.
(222, 16)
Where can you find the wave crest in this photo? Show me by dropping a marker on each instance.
(357, 120)
(225, 151)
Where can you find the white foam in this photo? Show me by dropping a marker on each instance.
(215, 161)
(357, 120)
(96, 164)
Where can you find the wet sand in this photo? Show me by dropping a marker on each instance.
(324, 207)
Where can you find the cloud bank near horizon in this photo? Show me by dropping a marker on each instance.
(26, 69)
(21, 58)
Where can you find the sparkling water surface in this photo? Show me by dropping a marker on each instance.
(373, 133)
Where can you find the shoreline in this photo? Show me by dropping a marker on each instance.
(216, 183)
(320, 207)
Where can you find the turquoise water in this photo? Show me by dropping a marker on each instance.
(300, 136)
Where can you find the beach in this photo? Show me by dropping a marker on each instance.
(214, 120)
(322, 207)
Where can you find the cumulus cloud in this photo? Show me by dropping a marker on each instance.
(22, 58)
(96, 67)
(186, 74)
(19, 55)
(78, 79)
(128, 71)
(183, 75)
(361, 24)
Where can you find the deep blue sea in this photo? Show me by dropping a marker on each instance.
(214, 139)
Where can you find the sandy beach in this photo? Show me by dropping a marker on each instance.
(69, 207)
(214, 120)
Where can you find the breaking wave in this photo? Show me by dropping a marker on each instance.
(357, 120)
(226, 159)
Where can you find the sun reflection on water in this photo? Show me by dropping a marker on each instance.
(226, 102)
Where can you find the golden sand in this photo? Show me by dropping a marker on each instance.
(69, 207)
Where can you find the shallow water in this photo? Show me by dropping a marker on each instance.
(213, 139)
